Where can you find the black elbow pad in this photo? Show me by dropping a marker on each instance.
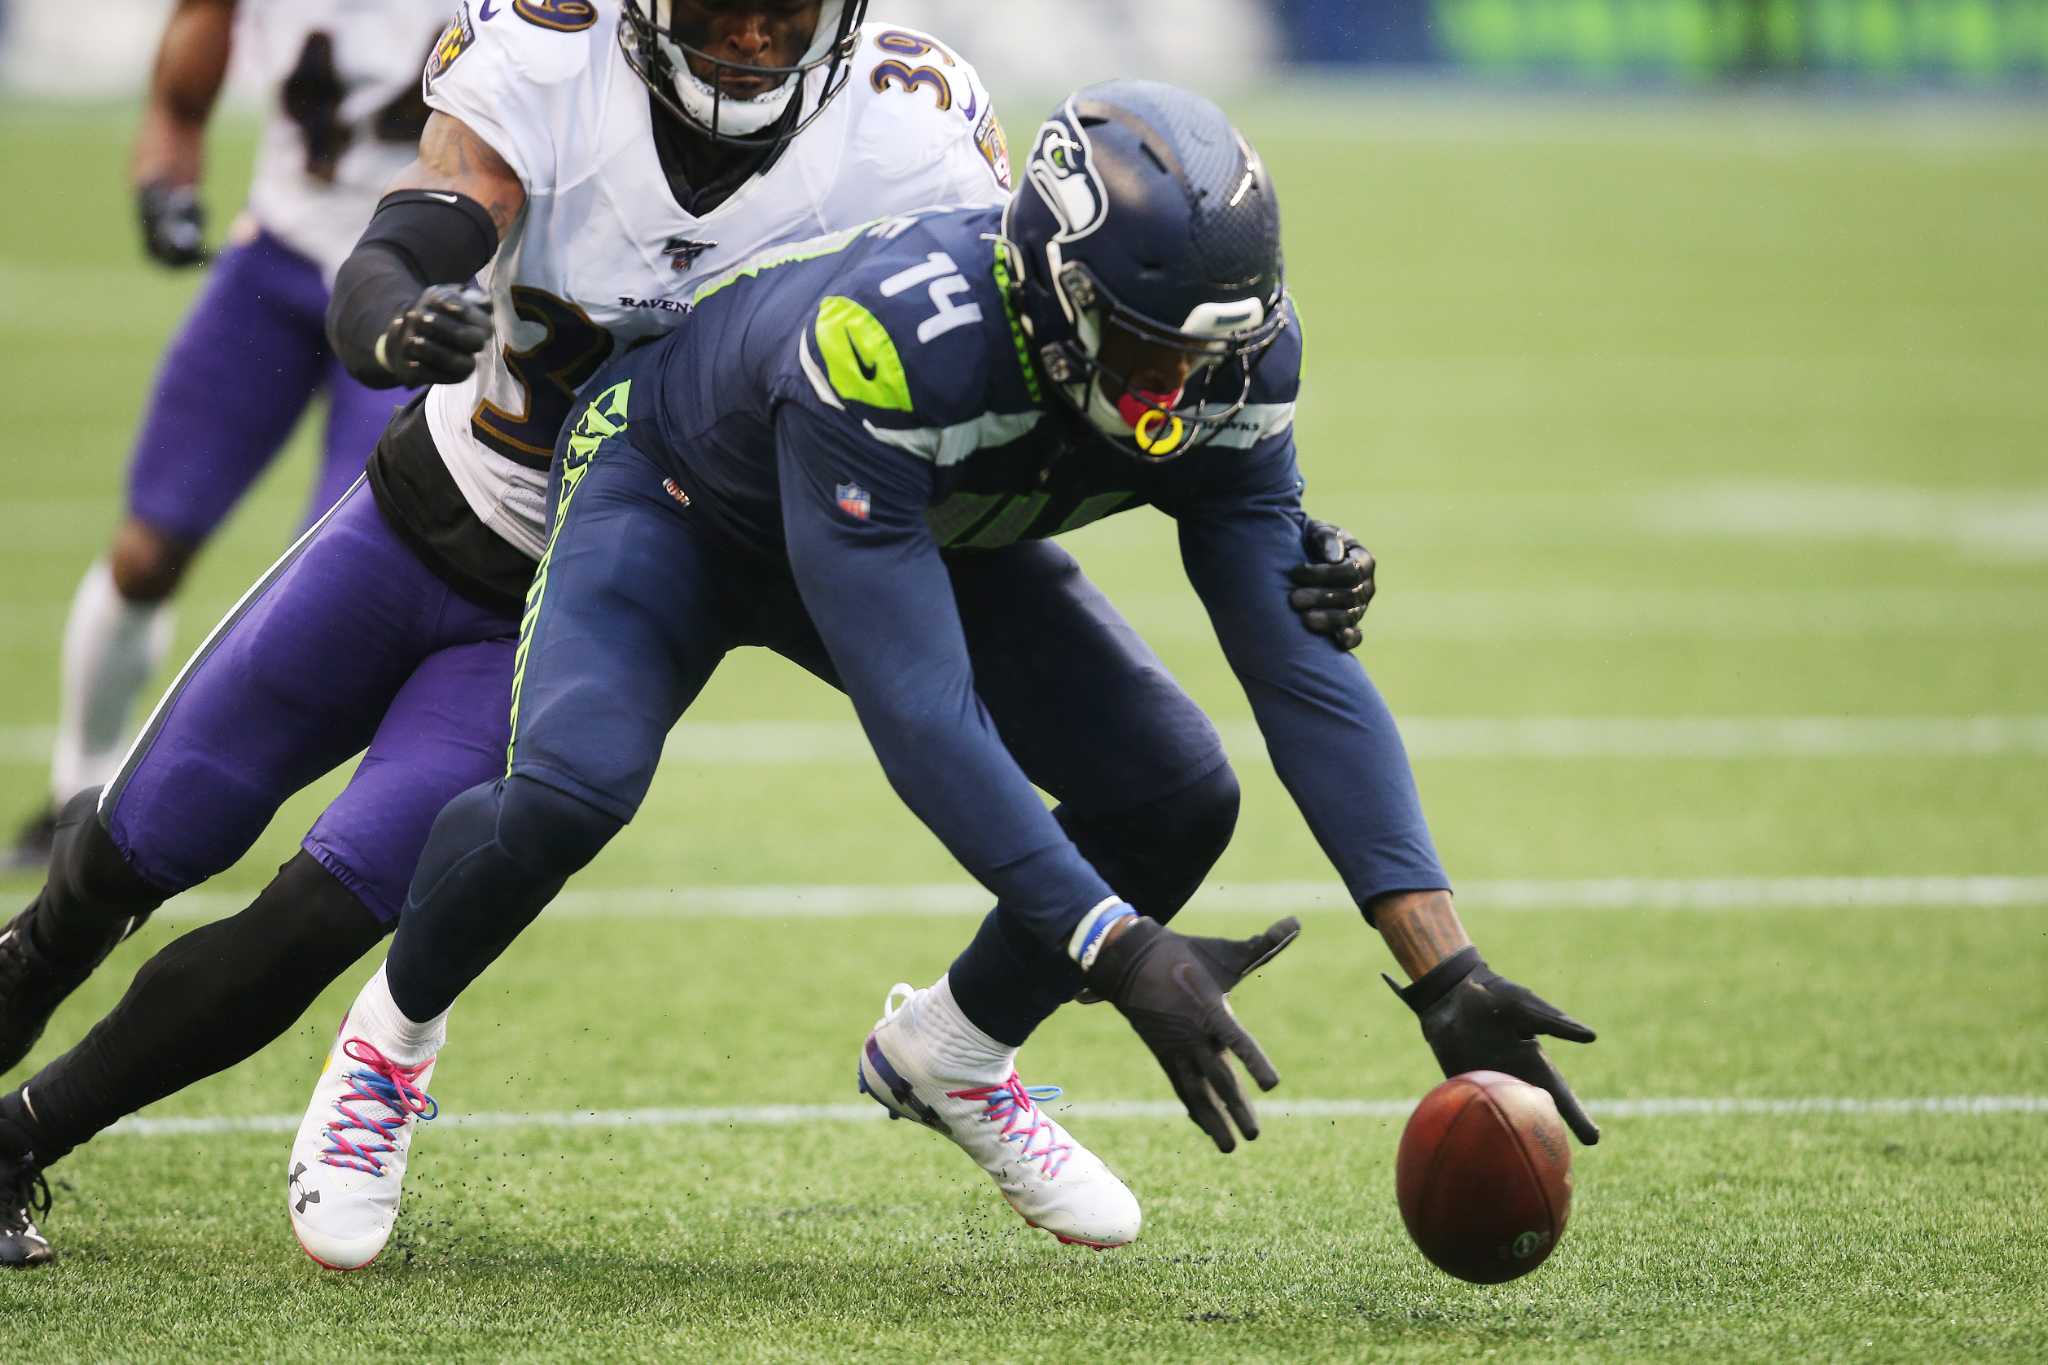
(415, 239)
(446, 236)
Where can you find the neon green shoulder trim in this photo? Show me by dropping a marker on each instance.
(792, 254)
(1002, 273)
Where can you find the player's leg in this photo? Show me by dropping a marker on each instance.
(625, 623)
(220, 993)
(1092, 716)
(223, 991)
(622, 629)
(92, 898)
(231, 386)
(444, 733)
(206, 1001)
(286, 688)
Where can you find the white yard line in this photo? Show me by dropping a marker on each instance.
(32, 626)
(787, 743)
(786, 1115)
(1644, 615)
(1999, 524)
(783, 743)
(943, 900)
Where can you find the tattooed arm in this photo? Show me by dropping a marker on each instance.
(1473, 1018)
(454, 159)
(402, 310)
(1421, 928)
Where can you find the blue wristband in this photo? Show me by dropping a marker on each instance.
(1093, 928)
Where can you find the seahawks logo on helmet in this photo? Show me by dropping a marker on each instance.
(1062, 170)
(1142, 237)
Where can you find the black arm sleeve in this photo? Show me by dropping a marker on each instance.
(416, 238)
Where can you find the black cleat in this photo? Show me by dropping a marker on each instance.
(23, 1197)
(30, 851)
(31, 987)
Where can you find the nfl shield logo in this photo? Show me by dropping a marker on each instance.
(853, 500)
(684, 251)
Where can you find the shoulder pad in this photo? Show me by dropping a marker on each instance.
(905, 339)
(1276, 388)
(541, 42)
(1278, 378)
(922, 91)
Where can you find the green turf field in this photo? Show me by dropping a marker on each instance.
(1703, 449)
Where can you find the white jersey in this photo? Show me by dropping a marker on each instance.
(344, 112)
(602, 255)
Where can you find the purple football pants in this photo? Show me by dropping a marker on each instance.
(233, 384)
(347, 643)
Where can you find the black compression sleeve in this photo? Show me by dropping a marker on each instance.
(415, 239)
(205, 1002)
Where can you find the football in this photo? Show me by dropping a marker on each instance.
(1484, 1177)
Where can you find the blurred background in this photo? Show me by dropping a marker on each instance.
(1677, 357)
(1864, 44)
(1682, 360)
(1686, 364)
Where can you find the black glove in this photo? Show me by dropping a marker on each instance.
(173, 224)
(1333, 589)
(1171, 988)
(436, 340)
(1477, 1020)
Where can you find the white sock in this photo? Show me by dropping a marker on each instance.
(376, 1018)
(959, 1050)
(111, 647)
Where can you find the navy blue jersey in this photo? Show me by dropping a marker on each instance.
(863, 403)
(899, 339)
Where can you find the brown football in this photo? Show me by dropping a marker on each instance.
(1485, 1176)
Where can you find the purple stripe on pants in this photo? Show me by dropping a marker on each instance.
(232, 385)
(349, 642)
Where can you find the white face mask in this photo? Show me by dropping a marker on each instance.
(736, 115)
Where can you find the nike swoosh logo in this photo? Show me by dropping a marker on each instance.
(444, 198)
(487, 10)
(867, 371)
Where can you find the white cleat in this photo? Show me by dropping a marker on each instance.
(348, 1161)
(1048, 1177)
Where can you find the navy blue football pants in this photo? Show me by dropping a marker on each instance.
(635, 603)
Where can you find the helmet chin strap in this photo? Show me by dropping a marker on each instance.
(1141, 416)
(1104, 415)
(713, 108)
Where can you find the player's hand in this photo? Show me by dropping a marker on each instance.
(1333, 589)
(437, 339)
(1477, 1020)
(1171, 988)
(173, 224)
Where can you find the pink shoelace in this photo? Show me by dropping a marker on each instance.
(385, 1082)
(1014, 1105)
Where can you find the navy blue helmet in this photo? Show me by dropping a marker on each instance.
(1146, 225)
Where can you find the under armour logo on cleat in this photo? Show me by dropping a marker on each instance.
(305, 1196)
